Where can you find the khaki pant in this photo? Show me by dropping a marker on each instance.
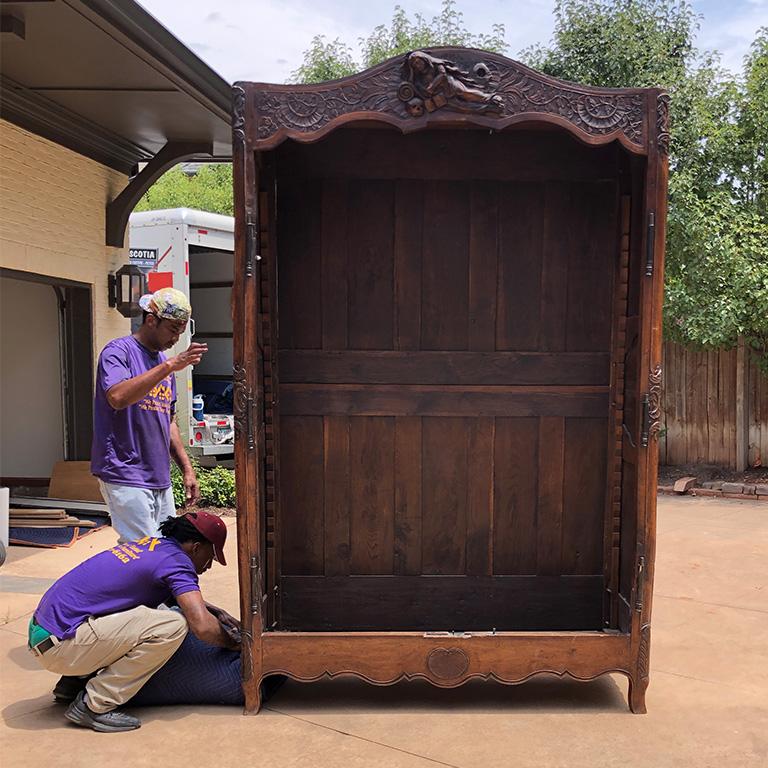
(128, 648)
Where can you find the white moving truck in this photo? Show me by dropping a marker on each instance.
(193, 251)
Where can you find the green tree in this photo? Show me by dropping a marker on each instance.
(325, 61)
(328, 60)
(717, 234)
(209, 189)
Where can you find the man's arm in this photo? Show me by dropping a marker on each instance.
(203, 625)
(130, 391)
(191, 488)
(225, 618)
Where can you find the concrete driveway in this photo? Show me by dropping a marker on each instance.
(707, 702)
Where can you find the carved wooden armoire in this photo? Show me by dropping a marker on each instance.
(447, 314)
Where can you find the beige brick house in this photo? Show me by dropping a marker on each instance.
(90, 93)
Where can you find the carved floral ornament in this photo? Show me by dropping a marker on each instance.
(424, 85)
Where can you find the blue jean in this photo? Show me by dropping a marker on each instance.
(137, 512)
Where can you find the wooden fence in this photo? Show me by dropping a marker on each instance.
(715, 408)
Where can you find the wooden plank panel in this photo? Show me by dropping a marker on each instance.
(301, 495)
(444, 495)
(480, 502)
(456, 155)
(372, 495)
(408, 495)
(413, 400)
(334, 264)
(299, 266)
(697, 404)
(442, 603)
(549, 523)
(336, 486)
(409, 215)
(593, 258)
(483, 263)
(370, 264)
(479, 368)
(515, 482)
(584, 503)
(519, 267)
(561, 238)
(445, 266)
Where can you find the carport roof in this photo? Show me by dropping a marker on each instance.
(107, 80)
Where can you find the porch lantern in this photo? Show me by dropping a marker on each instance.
(125, 288)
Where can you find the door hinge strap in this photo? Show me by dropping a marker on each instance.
(251, 244)
(640, 584)
(256, 599)
(644, 435)
(650, 245)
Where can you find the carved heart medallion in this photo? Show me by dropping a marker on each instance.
(447, 663)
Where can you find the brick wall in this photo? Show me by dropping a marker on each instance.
(52, 212)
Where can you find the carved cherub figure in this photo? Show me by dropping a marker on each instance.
(439, 82)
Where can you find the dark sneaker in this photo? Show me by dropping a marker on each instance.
(109, 722)
(68, 687)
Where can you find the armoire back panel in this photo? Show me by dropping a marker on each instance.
(444, 384)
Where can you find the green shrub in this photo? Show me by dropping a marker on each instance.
(217, 486)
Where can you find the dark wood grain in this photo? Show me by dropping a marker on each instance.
(336, 487)
(521, 229)
(413, 400)
(445, 266)
(549, 523)
(457, 155)
(455, 368)
(409, 216)
(301, 495)
(592, 273)
(483, 263)
(442, 603)
(370, 265)
(334, 224)
(444, 495)
(584, 496)
(408, 512)
(480, 497)
(516, 469)
(372, 495)
(300, 266)
(561, 254)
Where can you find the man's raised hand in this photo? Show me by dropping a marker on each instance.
(190, 356)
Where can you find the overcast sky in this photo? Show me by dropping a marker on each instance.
(264, 40)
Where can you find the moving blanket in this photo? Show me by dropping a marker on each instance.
(197, 673)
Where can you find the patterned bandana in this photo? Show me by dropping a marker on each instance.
(167, 303)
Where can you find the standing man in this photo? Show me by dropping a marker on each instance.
(135, 433)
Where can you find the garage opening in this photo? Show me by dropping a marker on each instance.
(46, 375)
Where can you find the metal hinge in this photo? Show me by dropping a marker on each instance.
(644, 435)
(650, 245)
(640, 584)
(257, 598)
(250, 427)
(251, 243)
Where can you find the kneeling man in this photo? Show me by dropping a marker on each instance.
(102, 618)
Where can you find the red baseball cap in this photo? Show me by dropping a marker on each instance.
(213, 528)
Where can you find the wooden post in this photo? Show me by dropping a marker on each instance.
(742, 406)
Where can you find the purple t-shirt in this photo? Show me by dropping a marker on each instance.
(144, 572)
(132, 446)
